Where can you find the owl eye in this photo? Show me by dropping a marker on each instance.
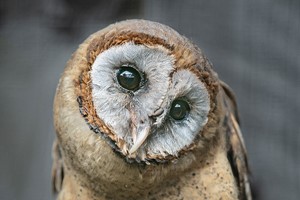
(129, 78)
(179, 109)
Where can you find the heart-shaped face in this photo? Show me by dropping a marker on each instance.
(151, 93)
(155, 109)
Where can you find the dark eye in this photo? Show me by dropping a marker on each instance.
(129, 78)
(179, 109)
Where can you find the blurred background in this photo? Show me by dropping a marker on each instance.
(254, 46)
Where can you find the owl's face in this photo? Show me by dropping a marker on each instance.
(150, 100)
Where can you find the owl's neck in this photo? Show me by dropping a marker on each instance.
(213, 181)
(75, 189)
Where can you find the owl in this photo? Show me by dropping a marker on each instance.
(139, 113)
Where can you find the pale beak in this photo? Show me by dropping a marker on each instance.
(143, 131)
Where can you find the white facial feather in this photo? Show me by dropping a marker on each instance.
(114, 105)
(110, 100)
(175, 135)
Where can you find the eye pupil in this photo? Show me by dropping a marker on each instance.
(129, 78)
(179, 109)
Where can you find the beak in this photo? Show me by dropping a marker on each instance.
(143, 131)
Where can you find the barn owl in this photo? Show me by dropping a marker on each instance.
(139, 113)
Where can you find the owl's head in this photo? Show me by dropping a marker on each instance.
(146, 90)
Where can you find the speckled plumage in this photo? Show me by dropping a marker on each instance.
(91, 161)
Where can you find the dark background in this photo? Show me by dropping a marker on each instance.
(254, 46)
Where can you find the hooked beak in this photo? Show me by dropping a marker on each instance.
(141, 128)
(143, 131)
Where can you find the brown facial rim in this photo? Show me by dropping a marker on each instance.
(84, 90)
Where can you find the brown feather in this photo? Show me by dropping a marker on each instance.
(237, 154)
(57, 168)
